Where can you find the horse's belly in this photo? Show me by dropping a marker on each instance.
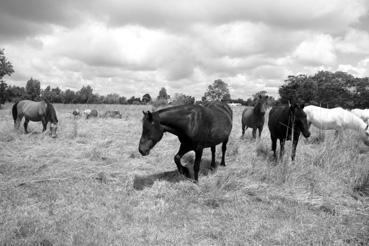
(325, 125)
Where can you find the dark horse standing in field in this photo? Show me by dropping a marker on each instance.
(285, 121)
(197, 127)
(35, 111)
(254, 117)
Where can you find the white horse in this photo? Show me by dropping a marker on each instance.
(335, 119)
(361, 113)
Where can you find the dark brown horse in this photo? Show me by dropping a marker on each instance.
(254, 117)
(35, 111)
(197, 127)
(285, 120)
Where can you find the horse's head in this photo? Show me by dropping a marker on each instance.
(51, 116)
(367, 129)
(300, 119)
(152, 132)
(261, 105)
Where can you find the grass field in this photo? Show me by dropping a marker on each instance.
(90, 186)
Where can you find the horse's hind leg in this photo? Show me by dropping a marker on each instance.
(243, 129)
(183, 149)
(25, 125)
(224, 148)
(18, 121)
(212, 165)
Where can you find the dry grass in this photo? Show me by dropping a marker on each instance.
(90, 186)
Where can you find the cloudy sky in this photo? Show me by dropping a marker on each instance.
(132, 47)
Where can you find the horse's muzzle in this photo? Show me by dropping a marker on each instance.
(143, 152)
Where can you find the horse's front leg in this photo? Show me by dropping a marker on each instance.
(212, 165)
(281, 143)
(224, 148)
(25, 125)
(44, 124)
(294, 145)
(260, 130)
(183, 149)
(196, 166)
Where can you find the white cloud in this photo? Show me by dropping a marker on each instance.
(354, 41)
(135, 46)
(318, 50)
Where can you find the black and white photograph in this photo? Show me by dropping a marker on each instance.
(187, 122)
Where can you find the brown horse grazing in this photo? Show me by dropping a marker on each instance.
(197, 127)
(35, 111)
(112, 114)
(282, 122)
(254, 117)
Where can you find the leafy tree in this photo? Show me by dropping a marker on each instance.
(69, 96)
(85, 94)
(6, 68)
(182, 99)
(122, 100)
(33, 89)
(147, 98)
(163, 94)
(112, 98)
(218, 91)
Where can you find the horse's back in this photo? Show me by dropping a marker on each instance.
(32, 110)
(213, 121)
(324, 118)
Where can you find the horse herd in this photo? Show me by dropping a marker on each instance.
(209, 124)
(92, 113)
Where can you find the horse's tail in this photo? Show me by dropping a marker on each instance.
(15, 111)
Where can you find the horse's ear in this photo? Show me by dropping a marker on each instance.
(149, 115)
(143, 112)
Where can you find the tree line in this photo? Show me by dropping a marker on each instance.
(326, 89)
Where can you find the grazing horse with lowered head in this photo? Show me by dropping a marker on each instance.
(335, 119)
(112, 114)
(90, 113)
(254, 117)
(196, 126)
(35, 111)
(285, 121)
(362, 114)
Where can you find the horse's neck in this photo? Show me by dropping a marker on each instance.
(174, 120)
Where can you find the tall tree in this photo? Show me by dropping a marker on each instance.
(85, 94)
(218, 91)
(163, 94)
(182, 99)
(146, 98)
(33, 89)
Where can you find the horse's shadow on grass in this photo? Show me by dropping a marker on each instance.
(141, 182)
